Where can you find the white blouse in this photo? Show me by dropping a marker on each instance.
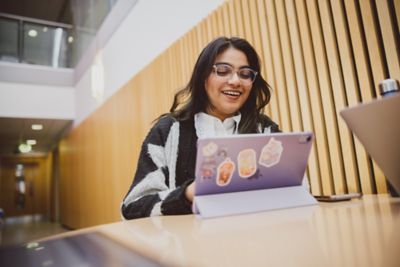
(208, 126)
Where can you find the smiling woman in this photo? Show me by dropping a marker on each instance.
(226, 95)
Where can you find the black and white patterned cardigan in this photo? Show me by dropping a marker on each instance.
(165, 168)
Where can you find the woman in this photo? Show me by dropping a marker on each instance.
(225, 95)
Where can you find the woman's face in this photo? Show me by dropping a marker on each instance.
(227, 93)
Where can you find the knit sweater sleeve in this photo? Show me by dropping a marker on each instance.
(154, 190)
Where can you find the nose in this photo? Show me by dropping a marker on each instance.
(234, 79)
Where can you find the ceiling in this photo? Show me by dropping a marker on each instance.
(51, 10)
(13, 131)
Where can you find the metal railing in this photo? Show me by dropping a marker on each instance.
(35, 41)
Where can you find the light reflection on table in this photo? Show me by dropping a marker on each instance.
(353, 233)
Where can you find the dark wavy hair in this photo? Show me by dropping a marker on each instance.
(193, 98)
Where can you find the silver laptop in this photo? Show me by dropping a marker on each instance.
(377, 125)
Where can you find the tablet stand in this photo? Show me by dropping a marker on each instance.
(224, 204)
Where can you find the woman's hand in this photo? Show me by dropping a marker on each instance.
(189, 192)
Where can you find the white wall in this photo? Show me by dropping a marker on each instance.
(32, 91)
(35, 74)
(150, 28)
(19, 100)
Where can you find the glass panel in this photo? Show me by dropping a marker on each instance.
(88, 15)
(30, 41)
(45, 45)
(8, 40)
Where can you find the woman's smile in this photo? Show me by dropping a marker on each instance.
(232, 93)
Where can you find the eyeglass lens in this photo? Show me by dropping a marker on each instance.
(245, 74)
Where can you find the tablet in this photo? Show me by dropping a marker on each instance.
(251, 162)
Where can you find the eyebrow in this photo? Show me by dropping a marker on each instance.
(226, 63)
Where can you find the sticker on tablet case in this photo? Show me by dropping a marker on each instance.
(209, 149)
(247, 163)
(271, 153)
(225, 172)
(208, 167)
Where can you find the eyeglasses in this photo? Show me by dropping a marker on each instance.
(246, 75)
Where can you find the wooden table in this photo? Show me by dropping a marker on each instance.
(360, 232)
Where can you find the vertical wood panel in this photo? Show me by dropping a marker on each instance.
(378, 69)
(209, 29)
(287, 56)
(305, 105)
(216, 30)
(220, 20)
(193, 52)
(184, 42)
(268, 63)
(226, 19)
(232, 19)
(365, 84)
(348, 86)
(254, 25)
(214, 24)
(374, 47)
(336, 86)
(248, 29)
(239, 18)
(280, 86)
(328, 104)
(389, 34)
(315, 98)
(199, 38)
(171, 65)
(397, 12)
(257, 42)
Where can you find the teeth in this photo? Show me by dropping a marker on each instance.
(232, 93)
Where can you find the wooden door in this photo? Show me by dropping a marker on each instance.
(18, 193)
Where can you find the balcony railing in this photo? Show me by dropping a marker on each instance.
(34, 41)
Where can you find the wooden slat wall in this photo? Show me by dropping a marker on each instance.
(319, 56)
